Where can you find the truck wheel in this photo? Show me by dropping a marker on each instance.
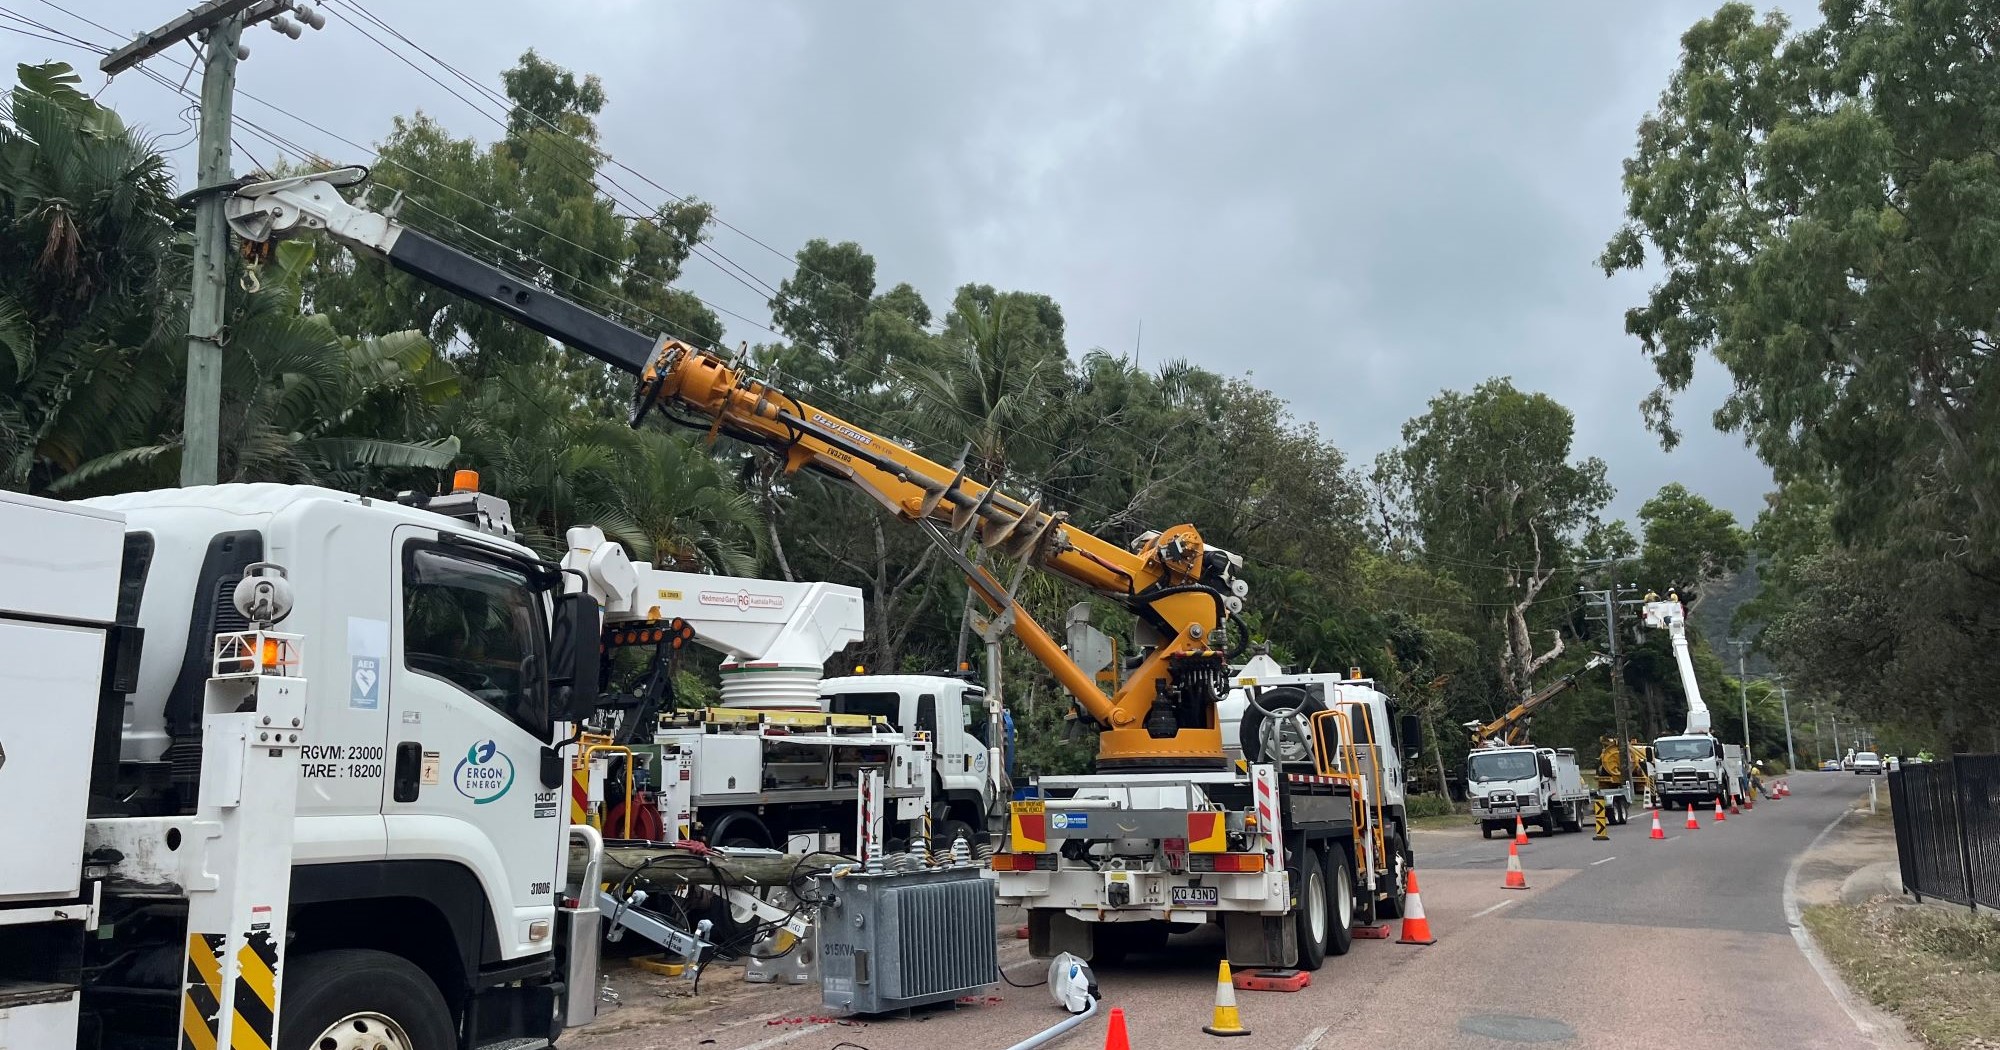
(1485, 831)
(1314, 911)
(348, 998)
(1339, 906)
(1548, 823)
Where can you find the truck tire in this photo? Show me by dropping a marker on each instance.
(352, 997)
(1548, 823)
(1339, 905)
(1485, 830)
(1315, 909)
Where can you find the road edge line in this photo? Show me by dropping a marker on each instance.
(1880, 1028)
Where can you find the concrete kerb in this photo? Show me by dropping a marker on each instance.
(1878, 1027)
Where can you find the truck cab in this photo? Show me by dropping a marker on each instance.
(1691, 770)
(953, 712)
(1538, 785)
(429, 828)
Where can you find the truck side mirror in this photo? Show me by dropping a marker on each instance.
(1411, 729)
(574, 651)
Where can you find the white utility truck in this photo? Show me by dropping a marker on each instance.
(1302, 835)
(772, 765)
(282, 764)
(1507, 778)
(1692, 767)
(952, 713)
(1541, 786)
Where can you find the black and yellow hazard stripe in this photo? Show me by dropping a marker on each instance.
(201, 996)
(256, 1003)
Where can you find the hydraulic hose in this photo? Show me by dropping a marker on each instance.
(1059, 1029)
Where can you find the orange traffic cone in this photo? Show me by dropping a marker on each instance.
(1784, 789)
(1114, 1034)
(1227, 1021)
(1657, 833)
(1720, 816)
(1520, 831)
(1416, 928)
(1693, 824)
(1735, 806)
(1750, 800)
(1516, 878)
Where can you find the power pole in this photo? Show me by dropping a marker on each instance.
(1785, 704)
(1611, 598)
(219, 25)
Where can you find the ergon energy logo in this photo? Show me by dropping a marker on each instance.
(820, 419)
(743, 600)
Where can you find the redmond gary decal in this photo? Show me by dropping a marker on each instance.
(484, 774)
(743, 599)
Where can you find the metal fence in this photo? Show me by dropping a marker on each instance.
(1948, 829)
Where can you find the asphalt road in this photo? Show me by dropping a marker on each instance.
(1631, 942)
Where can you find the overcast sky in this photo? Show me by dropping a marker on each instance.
(1358, 204)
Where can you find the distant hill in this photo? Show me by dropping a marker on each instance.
(1718, 607)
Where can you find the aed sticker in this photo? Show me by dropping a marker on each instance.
(1069, 821)
(367, 648)
(429, 772)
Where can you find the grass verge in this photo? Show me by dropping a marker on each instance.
(1937, 970)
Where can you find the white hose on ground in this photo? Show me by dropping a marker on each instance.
(1059, 1029)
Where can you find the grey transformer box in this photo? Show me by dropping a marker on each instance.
(897, 940)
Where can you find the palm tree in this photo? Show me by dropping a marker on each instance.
(301, 404)
(673, 504)
(86, 256)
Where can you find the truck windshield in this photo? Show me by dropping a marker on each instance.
(1692, 747)
(1502, 765)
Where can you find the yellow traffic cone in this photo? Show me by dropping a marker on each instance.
(1227, 1021)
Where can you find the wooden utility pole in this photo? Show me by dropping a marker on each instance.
(1612, 597)
(219, 24)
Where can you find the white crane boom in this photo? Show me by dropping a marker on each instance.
(777, 636)
(1671, 615)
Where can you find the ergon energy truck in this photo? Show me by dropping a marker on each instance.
(1692, 767)
(1539, 786)
(281, 765)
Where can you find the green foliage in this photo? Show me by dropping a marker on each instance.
(1429, 805)
(1822, 207)
(1484, 483)
(88, 279)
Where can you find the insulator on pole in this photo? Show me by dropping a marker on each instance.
(287, 26)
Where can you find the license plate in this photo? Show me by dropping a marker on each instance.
(1196, 896)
